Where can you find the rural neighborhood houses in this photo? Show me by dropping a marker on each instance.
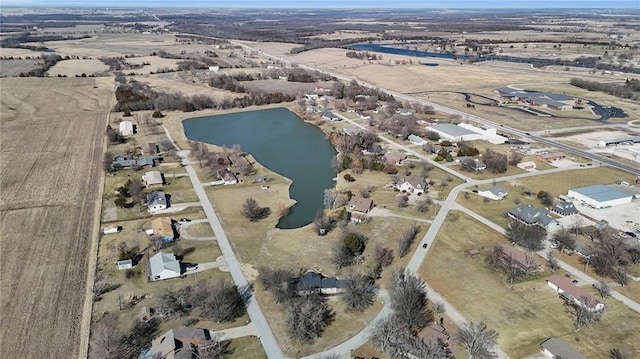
(312, 282)
(153, 179)
(417, 140)
(564, 208)
(164, 266)
(550, 156)
(413, 184)
(330, 116)
(163, 229)
(227, 177)
(495, 193)
(156, 201)
(515, 257)
(148, 149)
(530, 216)
(359, 207)
(573, 294)
(126, 128)
(394, 158)
(471, 164)
(178, 343)
(558, 348)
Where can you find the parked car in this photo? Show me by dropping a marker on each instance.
(185, 220)
(424, 245)
(191, 267)
(554, 245)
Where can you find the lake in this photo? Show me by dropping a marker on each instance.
(282, 142)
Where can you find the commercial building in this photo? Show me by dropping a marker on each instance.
(600, 196)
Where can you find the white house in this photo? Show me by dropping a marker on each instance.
(416, 140)
(573, 294)
(227, 176)
(413, 184)
(600, 196)
(495, 193)
(126, 128)
(156, 201)
(214, 68)
(164, 266)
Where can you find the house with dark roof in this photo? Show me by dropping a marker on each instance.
(471, 164)
(328, 115)
(227, 176)
(120, 161)
(312, 282)
(558, 348)
(515, 257)
(156, 201)
(531, 216)
(180, 343)
(413, 184)
(146, 161)
(572, 294)
(495, 193)
(564, 208)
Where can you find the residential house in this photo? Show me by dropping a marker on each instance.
(495, 193)
(126, 128)
(416, 140)
(373, 149)
(564, 208)
(120, 162)
(530, 216)
(227, 176)
(413, 184)
(573, 294)
(554, 348)
(359, 207)
(146, 161)
(312, 282)
(550, 157)
(330, 116)
(180, 343)
(156, 201)
(153, 179)
(514, 256)
(394, 158)
(163, 229)
(471, 164)
(149, 149)
(164, 266)
(527, 166)
(351, 131)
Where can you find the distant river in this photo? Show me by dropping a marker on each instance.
(283, 143)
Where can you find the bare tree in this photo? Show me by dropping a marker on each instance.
(529, 237)
(603, 289)
(478, 340)
(213, 349)
(583, 315)
(171, 303)
(253, 211)
(621, 276)
(553, 262)
(277, 282)
(224, 302)
(407, 238)
(340, 255)
(359, 293)
(617, 353)
(329, 198)
(106, 339)
(307, 317)
(396, 340)
(565, 240)
(422, 205)
(384, 256)
(323, 223)
(409, 300)
(402, 200)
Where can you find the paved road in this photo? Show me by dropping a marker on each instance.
(580, 275)
(262, 329)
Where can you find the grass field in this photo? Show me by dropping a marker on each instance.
(523, 315)
(52, 148)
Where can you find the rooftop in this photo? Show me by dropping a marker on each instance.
(360, 204)
(561, 349)
(601, 193)
(568, 287)
(451, 129)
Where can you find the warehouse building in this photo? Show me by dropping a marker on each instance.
(600, 196)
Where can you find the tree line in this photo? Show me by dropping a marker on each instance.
(629, 90)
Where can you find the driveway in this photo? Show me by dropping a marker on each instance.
(208, 265)
(184, 232)
(177, 207)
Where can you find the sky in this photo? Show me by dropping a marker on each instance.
(434, 4)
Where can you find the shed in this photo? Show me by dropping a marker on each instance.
(125, 264)
(126, 128)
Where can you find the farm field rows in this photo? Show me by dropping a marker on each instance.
(52, 147)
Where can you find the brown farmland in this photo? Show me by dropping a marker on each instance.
(52, 147)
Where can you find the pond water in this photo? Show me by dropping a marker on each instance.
(283, 143)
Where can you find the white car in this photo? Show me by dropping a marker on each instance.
(554, 245)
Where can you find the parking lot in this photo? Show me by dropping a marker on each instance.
(624, 217)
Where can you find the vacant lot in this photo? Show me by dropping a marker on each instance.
(11, 68)
(52, 145)
(523, 315)
(78, 67)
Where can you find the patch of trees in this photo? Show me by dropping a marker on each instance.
(307, 76)
(322, 43)
(396, 335)
(349, 246)
(478, 340)
(496, 162)
(363, 55)
(529, 237)
(629, 90)
(611, 256)
(252, 210)
(114, 136)
(353, 89)
(230, 82)
(131, 189)
(47, 62)
(466, 150)
(545, 198)
(17, 41)
(108, 342)
(497, 260)
(406, 239)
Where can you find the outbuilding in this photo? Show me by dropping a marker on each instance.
(126, 128)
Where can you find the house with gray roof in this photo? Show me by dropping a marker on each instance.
(328, 115)
(312, 282)
(558, 348)
(413, 184)
(471, 164)
(532, 216)
(416, 140)
(564, 208)
(146, 161)
(164, 266)
(156, 201)
(495, 193)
